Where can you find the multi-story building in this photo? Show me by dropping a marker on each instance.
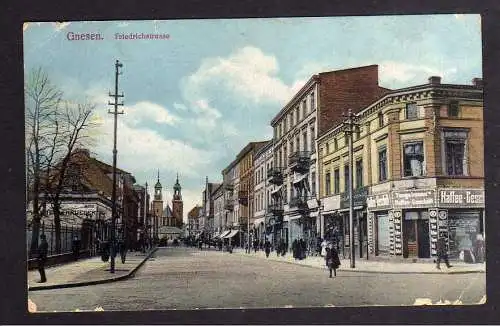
(208, 207)
(219, 211)
(418, 172)
(260, 191)
(314, 109)
(194, 215)
(230, 178)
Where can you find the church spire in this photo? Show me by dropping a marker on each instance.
(177, 189)
(158, 187)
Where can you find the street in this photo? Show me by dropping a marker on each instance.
(186, 278)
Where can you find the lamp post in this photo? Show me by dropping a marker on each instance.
(115, 113)
(349, 130)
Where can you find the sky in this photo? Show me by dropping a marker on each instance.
(193, 100)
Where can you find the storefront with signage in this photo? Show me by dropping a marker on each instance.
(359, 219)
(378, 230)
(464, 209)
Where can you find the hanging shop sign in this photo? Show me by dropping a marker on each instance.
(359, 198)
(461, 197)
(414, 198)
(381, 201)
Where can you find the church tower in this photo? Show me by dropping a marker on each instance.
(177, 204)
(157, 204)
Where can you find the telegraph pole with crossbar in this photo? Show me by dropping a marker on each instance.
(115, 112)
(350, 126)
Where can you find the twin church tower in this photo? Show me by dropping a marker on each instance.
(168, 216)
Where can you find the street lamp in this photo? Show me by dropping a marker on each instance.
(349, 131)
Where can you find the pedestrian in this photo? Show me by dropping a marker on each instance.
(442, 252)
(332, 260)
(76, 248)
(295, 248)
(302, 249)
(43, 249)
(324, 244)
(267, 247)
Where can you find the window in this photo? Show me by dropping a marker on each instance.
(455, 162)
(358, 133)
(297, 119)
(380, 119)
(413, 159)
(335, 144)
(336, 181)
(304, 136)
(292, 148)
(327, 148)
(304, 109)
(313, 183)
(313, 144)
(359, 174)
(312, 101)
(286, 127)
(290, 118)
(382, 164)
(346, 178)
(327, 184)
(453, 109)
(297, 143)
(411, 111)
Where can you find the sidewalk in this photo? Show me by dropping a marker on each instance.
(87, 272)
(372, 266)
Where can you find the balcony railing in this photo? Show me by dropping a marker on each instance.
(300, 202)
(243, 197)
(275, 208)
(300, 161)
(275, 175)
(229, 204)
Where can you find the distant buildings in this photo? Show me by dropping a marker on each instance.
(167, 222)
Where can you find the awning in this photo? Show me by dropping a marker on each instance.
(276, 191)
(224, 233)
(356, 208)
(299, 178)
(231, 234)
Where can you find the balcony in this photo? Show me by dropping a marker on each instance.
(275, 208)
(229, 204)
(300, 161)
(243, 197)
(228, 186)
(299, 202)
(275, 175)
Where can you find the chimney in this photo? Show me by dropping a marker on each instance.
(434, 80)
(477, 82)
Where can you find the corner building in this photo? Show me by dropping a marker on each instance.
(317, 107)
(418, 172)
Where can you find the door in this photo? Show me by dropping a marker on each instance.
(424, 248)
(410, 244)
(383, 236)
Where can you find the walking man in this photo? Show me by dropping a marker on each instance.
(442, 253)
(43, 249)
(267, 247)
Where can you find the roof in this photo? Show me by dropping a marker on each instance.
(167, 212)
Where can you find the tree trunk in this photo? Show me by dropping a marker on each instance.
(35, 231)
(57, 225)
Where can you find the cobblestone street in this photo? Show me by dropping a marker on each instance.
(184, 278)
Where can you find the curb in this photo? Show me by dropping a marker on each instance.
(368, 271)
(103, 281)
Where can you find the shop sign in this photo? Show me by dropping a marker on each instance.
(461, 197)
(413, 198)
(359, 198)
(378, 201)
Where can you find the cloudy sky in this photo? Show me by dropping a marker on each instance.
(194, 100)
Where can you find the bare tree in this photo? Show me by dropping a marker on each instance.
(42, 101)
(75, 121)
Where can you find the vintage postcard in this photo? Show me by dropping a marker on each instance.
(254, 163)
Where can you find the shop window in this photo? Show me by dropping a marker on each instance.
(382, 164)
(327, 184)
(346, 178)
(413, 159)
(380, 119)
(455, 159)
(336, 182)
(411, 111)
(453, 109)
(359, 174)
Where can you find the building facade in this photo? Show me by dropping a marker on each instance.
(317, 107)
(209, 207)
(219, 211)
(260, 191)
(418, 173)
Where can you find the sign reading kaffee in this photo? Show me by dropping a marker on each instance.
(461, 197)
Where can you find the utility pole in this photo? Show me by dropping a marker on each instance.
(113, 196)
(350, 124)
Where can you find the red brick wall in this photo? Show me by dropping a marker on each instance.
(340, 90)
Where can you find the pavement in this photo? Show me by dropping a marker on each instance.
(374, 266)
(88, 271)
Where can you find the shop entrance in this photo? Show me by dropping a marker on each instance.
(416, 243)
